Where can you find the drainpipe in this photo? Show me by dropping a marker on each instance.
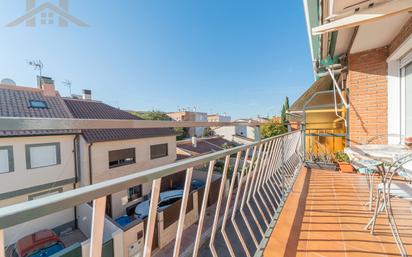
(76, 160)
(90, 164)
(76, 173)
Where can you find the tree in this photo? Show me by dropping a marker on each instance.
(153, 115)
(271, 129)
(182, 133)
(285, 108)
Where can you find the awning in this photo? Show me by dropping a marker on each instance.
(322, 84)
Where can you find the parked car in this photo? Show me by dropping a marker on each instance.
(43, 243)
(166, 199)
(196, 184)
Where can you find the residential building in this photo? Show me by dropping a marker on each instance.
(191, 116)
(36, 164)
(112, 153)
(239, 134)
(199, 146)
(218, 118)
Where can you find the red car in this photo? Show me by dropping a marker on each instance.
(40, 244)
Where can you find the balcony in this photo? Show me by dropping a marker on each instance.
(266, 203)
(325, 215)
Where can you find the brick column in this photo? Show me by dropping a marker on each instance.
(367, 83)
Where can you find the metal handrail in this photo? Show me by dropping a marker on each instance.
(22, 212)
(268, 178)
(23, 123)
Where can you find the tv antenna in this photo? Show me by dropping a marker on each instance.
(68, 83)
(37, 64)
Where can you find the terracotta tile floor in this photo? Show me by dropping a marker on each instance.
(325, 216)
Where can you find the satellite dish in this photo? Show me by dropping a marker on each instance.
(8, 82)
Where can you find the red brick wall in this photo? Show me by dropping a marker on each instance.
(367, 83)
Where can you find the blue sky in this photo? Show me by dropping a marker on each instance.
(234, 56)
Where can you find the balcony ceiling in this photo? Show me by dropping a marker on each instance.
(371, 35)
(343, 6)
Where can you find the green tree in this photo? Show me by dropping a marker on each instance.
(182, 133)
(285, 108)
(152, 115)
(272, 129)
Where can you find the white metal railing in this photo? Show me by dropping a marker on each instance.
(264, 171)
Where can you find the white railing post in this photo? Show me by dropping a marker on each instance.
(242, 173)
(182, 215)
(96, 238)
(2, 245)
(250, 192)
(204, 205)
(218, 204)
(242, 204)
(151, 221)
(229, 199)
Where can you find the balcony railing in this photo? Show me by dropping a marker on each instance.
(263, 173)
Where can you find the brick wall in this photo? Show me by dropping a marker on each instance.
(367, 82)
(404, 33)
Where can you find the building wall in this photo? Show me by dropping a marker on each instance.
(19, 185)
(367, 83)
(13, 234)
(21, 182)
(101, 171)
(190, 116)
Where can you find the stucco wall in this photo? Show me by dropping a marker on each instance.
(51, 221)
(101, 171)
(23, 178)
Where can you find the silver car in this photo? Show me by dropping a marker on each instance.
(165, 200)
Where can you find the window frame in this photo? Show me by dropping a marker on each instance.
(42, 194)
(131, 199)
(159, 156)
(28, 157)
(10, 156)
(124, 163)
(404, 91)
(39, 101)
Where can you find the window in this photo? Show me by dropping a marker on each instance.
(42, 155)
(6, 159)
(122, 157)
(134, 193)
(158, 151)
(38, 104)
(407, 101)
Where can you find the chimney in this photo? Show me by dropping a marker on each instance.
(47, 85)
(194, 142)
(87, 94)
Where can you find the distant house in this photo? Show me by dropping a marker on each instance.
(199, 146)
(111, 153)
(191, 116)
(218, 118)
(35, 164)
(238, 134)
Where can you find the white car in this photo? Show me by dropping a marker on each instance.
(165, 200)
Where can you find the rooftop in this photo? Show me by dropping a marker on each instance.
(88, 109)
